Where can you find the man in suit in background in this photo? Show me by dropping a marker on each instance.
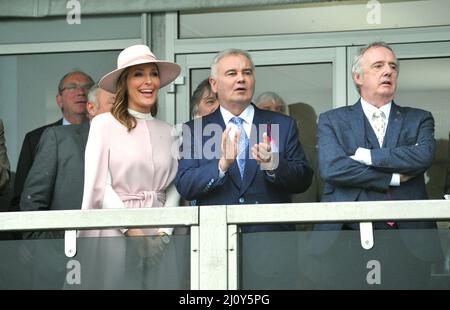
(4, 163)
(256, 158)
(4, 178)
(55, 182)
(447, 176)
(376, 150)
(71, 99)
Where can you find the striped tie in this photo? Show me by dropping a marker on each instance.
(242, 144)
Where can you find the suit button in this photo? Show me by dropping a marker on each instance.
(241, 200)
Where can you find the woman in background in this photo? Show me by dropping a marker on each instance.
(203, 100)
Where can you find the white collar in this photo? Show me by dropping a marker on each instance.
(246, 115)
(139, 115)
(66, 122)
(370, 109)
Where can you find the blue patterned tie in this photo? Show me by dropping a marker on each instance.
(242, 144)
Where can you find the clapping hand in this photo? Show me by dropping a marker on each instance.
(229, 149)
(263, 155)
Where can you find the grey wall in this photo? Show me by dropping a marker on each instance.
(8, 106)
(29, 85)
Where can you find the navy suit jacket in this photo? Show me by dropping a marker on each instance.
(408, 148)
(198, 175)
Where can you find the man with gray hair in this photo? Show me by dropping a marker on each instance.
(259, 158)
(256, 159)
(71, 99)
(55, 180)
(271, 101)
(376, 150)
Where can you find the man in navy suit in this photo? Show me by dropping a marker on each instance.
(377, 150)
(240, 154)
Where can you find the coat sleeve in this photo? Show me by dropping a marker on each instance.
(23, 167)
(96, 163)
(37, 194)
(4, 162)
(338, 169)
(447, 178)
(415, 157)
(193, 179)
(38, 188)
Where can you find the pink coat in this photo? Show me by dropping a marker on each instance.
(141, 164)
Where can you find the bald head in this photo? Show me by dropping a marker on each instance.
(99, 101)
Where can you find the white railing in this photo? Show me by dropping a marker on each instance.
(214, 229)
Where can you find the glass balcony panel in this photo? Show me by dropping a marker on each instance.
(400, 259)
(100, 263)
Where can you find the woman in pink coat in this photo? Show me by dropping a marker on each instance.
(128, 159)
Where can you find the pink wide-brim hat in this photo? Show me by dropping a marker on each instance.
(136, 55)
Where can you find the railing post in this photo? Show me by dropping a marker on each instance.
(233, 257)
(366, 235)
(213, 248)
(195, 249)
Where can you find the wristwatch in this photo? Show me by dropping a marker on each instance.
(164, 237)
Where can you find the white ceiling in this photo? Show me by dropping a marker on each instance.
(314, 17)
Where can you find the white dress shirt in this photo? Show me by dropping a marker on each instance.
(247, 115)
(363, 155)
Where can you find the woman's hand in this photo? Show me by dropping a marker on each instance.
(148, 247)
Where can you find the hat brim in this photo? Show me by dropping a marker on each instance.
(168, 72)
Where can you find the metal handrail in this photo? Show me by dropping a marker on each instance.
(366, 211)
(102, 218)
(357, 211)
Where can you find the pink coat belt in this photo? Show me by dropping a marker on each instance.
(144, 198)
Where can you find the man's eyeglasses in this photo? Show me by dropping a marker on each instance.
(73, 87)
